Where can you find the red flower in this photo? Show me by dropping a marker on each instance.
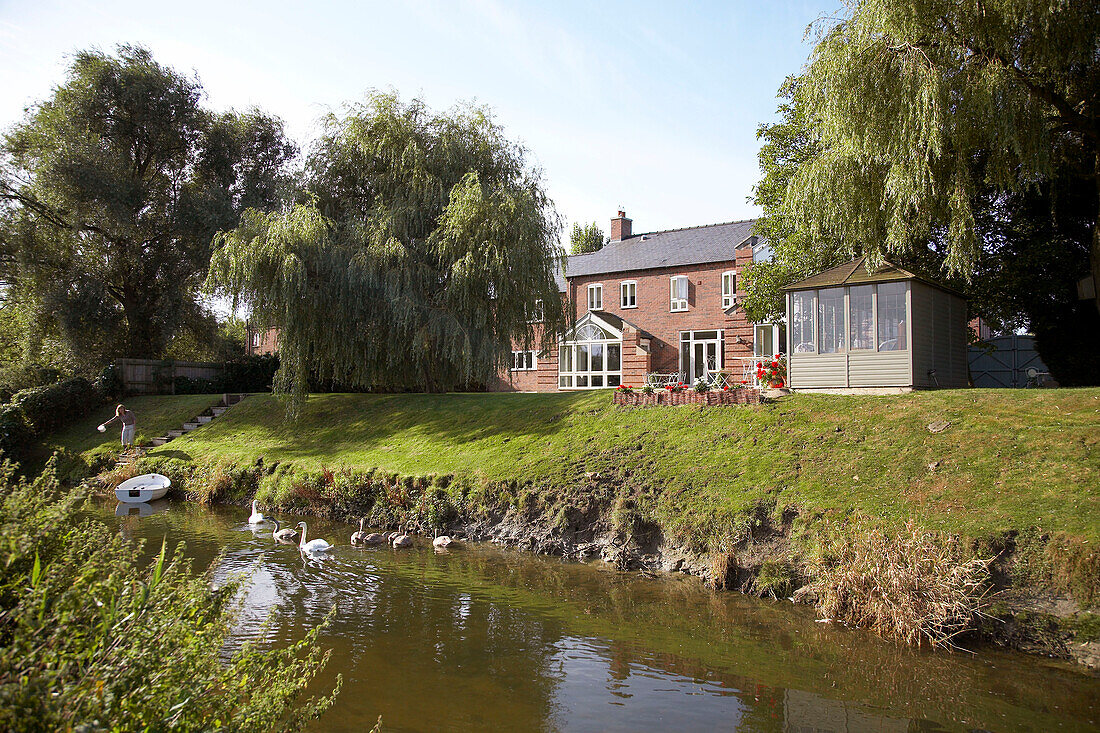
(744, 381)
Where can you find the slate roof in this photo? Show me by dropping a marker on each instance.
(855, 273)
(672, 248)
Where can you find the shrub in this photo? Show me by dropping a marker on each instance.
(648, 388)
(772, 373)
(109, 384)
(915, 586)
(144, 655)
(51, 407)
(15, 432)
(18, 378)
(251, 373)
(701, 386)
(199, 385)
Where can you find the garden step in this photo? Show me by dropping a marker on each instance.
(219, 410)
(175, 433)
(189, 426)
(160, 441)
(203, 419)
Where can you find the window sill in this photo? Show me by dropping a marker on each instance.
(627, 307)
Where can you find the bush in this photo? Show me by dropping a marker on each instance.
(18, 378)
(109, 383)
(251, 374)
(51, 407)
(145, 654)
(200, 385)
(15, 432)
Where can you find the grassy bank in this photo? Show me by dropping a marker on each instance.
(1009, 459)
(82, 446)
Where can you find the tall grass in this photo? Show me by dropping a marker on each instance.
(915, 586)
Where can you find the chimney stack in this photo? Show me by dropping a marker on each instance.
(620, 227)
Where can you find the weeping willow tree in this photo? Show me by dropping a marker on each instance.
(918, 106)
(425, 245)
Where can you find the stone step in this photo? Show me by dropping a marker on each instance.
(160, 441)
(189, 426)
(219, 410)
(175, 433)
(203, 419)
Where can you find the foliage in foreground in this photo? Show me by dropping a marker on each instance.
(915, 586)
(92, 639)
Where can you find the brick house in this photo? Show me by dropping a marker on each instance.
(664, 302)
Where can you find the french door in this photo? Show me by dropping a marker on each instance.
(700, 353)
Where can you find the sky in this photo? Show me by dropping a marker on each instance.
(647, 107)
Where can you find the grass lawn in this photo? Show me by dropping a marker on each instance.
(155, 416)
(1009, 459)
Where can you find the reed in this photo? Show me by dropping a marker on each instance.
(915, 586)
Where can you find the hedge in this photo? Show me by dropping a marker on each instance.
(39, 411)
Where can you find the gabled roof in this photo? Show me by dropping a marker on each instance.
(855, 273)
(672, 248)
(607, 321)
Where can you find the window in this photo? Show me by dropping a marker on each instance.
(523, 361)
(678, 293)
(538, 313)
(595, 297)
(802, 322)
(861, 316)
(592, 359)
(255, 339)
(830, 314)
(628, 294)
(729, 288)
(891, 317)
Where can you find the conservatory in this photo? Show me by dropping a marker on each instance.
(851, 330)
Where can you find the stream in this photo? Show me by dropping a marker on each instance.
(485, 638)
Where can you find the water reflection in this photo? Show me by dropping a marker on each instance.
(482, 639)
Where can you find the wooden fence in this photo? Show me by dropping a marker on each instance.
(153, 376)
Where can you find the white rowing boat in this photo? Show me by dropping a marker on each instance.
(139, 489)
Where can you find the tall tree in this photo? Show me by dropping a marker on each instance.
(586, 239)
(907, 95)
(416, 258)
(114, 189)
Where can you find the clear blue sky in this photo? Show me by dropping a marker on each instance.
(649, 106)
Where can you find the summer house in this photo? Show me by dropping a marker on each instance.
(886, 330)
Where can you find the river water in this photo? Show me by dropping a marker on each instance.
(485, 638)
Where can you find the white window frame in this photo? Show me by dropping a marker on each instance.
(598, 300)
(676, 304)
(729, 288)
(255, 339)
(692, 338)
(633, 287)
(524, 361)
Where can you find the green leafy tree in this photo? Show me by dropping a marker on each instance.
(906, 97)
(113, 189)
(416, 258)
(585, 239)
(96, 639)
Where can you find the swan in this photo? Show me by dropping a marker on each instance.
(393, 536)
(257, 516)
(359, 538)
(312, 545)
(444, 541)
(283, 535)
(374, 539)
(403, 541)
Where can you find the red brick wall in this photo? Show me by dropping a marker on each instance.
(653, 315)
(266, 342)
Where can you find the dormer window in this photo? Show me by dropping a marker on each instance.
(729, 288)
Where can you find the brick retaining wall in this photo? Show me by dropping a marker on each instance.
(745, 396)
